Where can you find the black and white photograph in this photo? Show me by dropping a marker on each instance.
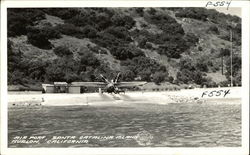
(124, 77)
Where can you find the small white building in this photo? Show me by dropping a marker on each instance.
(48, 88)
(74, 89)
(61, 87)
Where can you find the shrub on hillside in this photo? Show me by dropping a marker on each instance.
(79, 20)
(152, 11)
(113, 37)
(186, 76)
(213, 29)
(14, 57)
(139, 11)
(62, 69)
(107, 40)
(172, 50)
(39, 38)
(159, 77)
(187, 63)
(119, 32)
(195, 13)
(17, 25)
(202, 64)
(97, 50)
(127, 75)
(51, 32)
(191, 39)
(142, 41)
(160, 19)
(62, 51)
(20, 18)
(208, 82)
(200, 48)
(97, 19)
(188, 72)
(89, 31)
(148, 45)
(70, 29)
(123, 20)
(172, 41)
(123, 53)
(64, 13)
(143, 67)
(225, 83)
(170, 79)
(102, 21)
(167, 23)
(16, 77)
(88, 59)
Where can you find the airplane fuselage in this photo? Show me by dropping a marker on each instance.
(111, 88)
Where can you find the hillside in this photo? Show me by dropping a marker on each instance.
(173, 45)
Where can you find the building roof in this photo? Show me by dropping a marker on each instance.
(45, 85)
(60, 83)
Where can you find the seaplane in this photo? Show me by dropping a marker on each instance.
(111, 86)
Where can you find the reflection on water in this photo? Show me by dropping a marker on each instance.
(172, 125)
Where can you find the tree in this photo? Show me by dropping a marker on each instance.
(191, 39)
(123, 53)
(202, 64)
(20, 18)
(145, 74)
(62, 69)
(119, 32)
(188, 72)
(38, 38)
(159, 77)
(195, 13)
(50, 32)
(128, 75)
(89, 31)
(37, 69)
(14, 57)
(17, 25)
(88, 59)
(123, 20)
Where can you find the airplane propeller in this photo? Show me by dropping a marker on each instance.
(117, 77)
(105, 79)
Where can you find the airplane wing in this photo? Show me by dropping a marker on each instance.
(89, 84)
(130, 84)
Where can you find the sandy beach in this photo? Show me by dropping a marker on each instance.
(199, 95)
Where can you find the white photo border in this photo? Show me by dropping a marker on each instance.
(243, 150)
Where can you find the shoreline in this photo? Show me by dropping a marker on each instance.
(161, 97)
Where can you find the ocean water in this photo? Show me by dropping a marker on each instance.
(129, 125)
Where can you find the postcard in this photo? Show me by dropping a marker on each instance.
(125, 77)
